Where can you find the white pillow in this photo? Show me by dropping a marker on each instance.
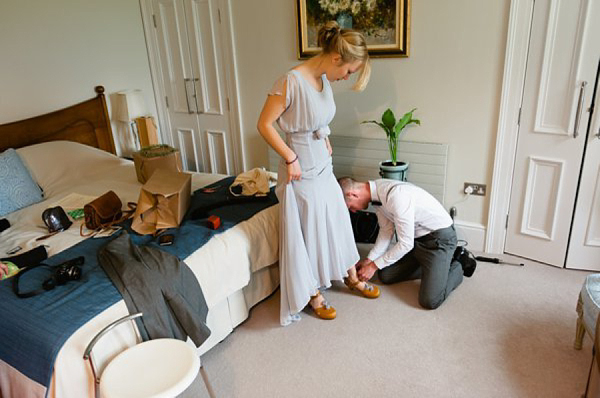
(58, 163)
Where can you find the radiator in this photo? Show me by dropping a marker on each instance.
(359, 158)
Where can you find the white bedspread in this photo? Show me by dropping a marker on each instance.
(222, 266)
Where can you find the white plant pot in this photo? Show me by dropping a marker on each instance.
(397, 172)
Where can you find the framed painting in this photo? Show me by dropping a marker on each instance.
(385, 24)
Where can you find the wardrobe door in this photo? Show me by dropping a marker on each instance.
(209, 82)
(554, 118)
(584, 247)
(177, 76)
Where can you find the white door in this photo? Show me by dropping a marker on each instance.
(209, 83)
(554, 118)
(584, 246)
(194, 82)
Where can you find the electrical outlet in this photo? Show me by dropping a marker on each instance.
(474, 189)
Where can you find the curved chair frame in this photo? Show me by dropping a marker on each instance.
(87, 355)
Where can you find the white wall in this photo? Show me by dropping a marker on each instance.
(53, 53)
(453, 76)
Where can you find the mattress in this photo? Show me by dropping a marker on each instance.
(67, 172)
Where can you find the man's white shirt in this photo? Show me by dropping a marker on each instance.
(409, 210)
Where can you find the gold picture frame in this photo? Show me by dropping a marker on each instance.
(385, 24)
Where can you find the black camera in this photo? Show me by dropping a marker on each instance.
(70, 270)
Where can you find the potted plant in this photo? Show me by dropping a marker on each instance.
(393, 128)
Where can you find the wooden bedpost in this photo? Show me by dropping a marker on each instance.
(100, 95)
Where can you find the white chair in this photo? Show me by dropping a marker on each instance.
(157, 368)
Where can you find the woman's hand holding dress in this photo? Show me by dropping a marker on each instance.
(329, 148)
(294, 172)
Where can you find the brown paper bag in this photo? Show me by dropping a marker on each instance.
(155, 157)
(147, 131)
(163, 201)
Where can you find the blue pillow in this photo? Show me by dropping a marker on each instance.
(17, 188)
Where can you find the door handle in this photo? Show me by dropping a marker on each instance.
(196, 95)
(579, 109)
(187, 96)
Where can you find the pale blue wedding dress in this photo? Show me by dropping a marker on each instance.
(316, 243)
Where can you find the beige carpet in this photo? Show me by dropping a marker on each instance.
(506, 332)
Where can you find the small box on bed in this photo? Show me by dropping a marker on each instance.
(163, 201)
(155, 157)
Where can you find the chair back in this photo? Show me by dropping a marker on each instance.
(109, 351)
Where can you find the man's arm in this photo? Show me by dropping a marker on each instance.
(404, 211)
(384, 237)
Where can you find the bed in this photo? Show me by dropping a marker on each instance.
(72, 152)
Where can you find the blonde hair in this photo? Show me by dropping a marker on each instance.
(350, 45)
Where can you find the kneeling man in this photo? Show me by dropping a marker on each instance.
(425, 232)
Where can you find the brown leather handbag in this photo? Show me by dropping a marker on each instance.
(102, 213)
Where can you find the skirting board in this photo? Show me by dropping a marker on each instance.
(473, 233)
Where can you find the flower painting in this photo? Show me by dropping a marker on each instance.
(385, 24)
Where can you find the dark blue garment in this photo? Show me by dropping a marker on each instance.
(33, 330)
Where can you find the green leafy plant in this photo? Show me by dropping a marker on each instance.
(394, 128)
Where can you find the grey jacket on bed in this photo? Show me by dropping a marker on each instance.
(160, 286)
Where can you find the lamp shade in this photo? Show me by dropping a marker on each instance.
(130, 105)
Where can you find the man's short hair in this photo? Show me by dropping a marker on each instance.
(348, 184)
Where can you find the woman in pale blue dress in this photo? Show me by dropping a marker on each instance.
(316, 243)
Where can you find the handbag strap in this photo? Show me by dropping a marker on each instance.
(125, 215)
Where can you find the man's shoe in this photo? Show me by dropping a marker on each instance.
(466, 260)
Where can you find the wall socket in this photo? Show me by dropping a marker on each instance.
(474, 189)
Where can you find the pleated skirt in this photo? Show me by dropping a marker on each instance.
(316, 243)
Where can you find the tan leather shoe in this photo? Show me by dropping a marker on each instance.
(369, 291)
(324, 311)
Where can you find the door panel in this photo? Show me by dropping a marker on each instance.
(209, 83)
(175, 57)
(551, 140)
(540, 207)
(191, 159)
(204, 52)
(217, 142)
(558, 94)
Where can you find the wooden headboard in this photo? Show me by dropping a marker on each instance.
(86, 122)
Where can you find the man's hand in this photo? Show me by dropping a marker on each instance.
(3, 269)
(362, 262)
(365, 269)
